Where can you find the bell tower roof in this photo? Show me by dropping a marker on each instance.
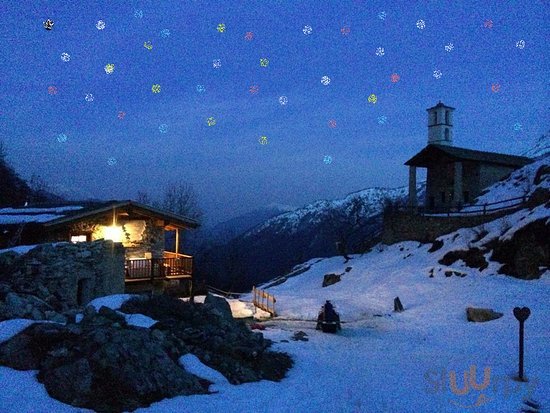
(440, 105)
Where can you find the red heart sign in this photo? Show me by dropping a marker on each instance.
(522, 314)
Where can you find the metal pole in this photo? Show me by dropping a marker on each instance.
(521, 350)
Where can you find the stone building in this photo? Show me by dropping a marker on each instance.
(455, 176)
(135, 229)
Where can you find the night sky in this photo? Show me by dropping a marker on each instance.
(486, 59)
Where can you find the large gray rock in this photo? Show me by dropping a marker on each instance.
(219, 306)
(480, 315)
(330, 279)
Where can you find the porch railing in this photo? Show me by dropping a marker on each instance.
(263, 300)
(159, 268)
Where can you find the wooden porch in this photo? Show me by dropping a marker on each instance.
(172, 266)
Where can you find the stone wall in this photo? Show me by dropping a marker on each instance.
(143, 237)
(76, 273)
(404, 226)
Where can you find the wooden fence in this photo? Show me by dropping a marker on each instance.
(264, 301)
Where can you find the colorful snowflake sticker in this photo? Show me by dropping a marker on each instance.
(216, 63)
(449, 47)
(52, 90)
(520, 44)
(283, 100)
(495, 87)
(148, 45)
(264, 62)
(121, 115)
(395, 78)
(382, 120)
(109, 68)
(345, 30)
(221, 27)
(380, 51)
(155, 88)
(100, 25)
(248, 36)
(163, 128)
(437, 74)
(65, 57)
(211, 121)
(421, 24)
(263, 140)
(327, 159)
(48, 24)
(111, 161)
(372, 98)
(488, 24)
(382, 15)
(89, 97)
(62, 138)
(517, 126)
(332, 123)
(200, 88)
(307, 30)
(164, 33)
(254, 89)
(138, 14)
(325, 80)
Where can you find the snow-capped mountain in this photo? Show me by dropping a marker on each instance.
(541, 146)
(295, 236)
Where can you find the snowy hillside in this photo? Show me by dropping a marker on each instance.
(541, 146)
(296, 236)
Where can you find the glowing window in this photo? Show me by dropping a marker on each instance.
(78, 238)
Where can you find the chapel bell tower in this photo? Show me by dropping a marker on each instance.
(440, 125)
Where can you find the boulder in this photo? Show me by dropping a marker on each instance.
(218, 306)
(480, 315)
(330, 279)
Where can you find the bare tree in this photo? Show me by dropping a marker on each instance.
(143, 198)
(180, 198)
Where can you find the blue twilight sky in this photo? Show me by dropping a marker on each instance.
(228, 167)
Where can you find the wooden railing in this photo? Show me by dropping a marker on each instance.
(159, 268)
(466, 209)
(263, 300)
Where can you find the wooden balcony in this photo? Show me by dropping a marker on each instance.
(172, 267)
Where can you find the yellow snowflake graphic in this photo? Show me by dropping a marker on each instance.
(372, 98)
(109, 68)
(211, 121)
(221, 27)
(155, 88)
(148, 45)
(263, 140)
(264, 62)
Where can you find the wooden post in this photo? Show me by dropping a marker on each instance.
(177, 241)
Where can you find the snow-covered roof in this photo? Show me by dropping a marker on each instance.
(25, 215)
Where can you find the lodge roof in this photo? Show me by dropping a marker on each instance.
(60, 214)
(426, 156)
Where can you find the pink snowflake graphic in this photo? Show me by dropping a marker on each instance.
(254, 89)
(495, 87)
(249, 36)
(121, 115)
(345, 30)
(395, 77)
(52, 90)
(488, 24)
(332, 123)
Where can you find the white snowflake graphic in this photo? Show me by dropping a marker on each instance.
(89, 97)
(327, 159)
(421, 24)
(520, 44)
(517, 126)
(449, 47)
(100, 25)
(200, 88)
(325, 80)
(65, 57)
(382, 15)
(216, 63)
(163, 128)
(138, 14)
(307, 30)
(380, 51)
(283, 100)
(111, 161)
(165, 33)
(382, 120)
(62, 138)
(437, 74)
